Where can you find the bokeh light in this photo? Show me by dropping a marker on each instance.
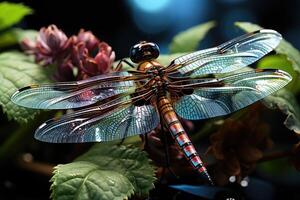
(153, 17)
(151, 5)
(229, 31)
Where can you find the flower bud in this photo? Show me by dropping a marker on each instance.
(51, 40)
(89, 39)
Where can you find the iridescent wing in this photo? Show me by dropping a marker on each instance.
(110, 121)
(206, 98)
(227, 57)
(68, 95)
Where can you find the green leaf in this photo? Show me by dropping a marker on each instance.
(285, 48)
(105, 172)
(189, 40)
(166, 59)
(280, 61)
(277, 168)
(12, 13)
(16, 35)
(7, 39)
(21, 34)
(17, 71)
(293, 55)
(287, 103)
(283, 99)
(279, 171)
(247, 26)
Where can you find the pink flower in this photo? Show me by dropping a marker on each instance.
(92, 66)
(50, 44)
(105, 57)
(83, 53)
(51, 40)
(89, 39)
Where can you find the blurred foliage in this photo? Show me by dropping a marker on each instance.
(182, 43)
(11, 14)
(190, 39)
(281, 62)
(280, 171)
(285, 48)
(283, 99)
(275, 167)
(16, 35)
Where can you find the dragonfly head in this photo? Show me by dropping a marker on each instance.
(144, 51)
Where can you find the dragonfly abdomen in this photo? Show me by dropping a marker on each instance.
(181, 137)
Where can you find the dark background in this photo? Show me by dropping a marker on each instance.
(122, 24)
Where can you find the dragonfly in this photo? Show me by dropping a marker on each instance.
(199, 85)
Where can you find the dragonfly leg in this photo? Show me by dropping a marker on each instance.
(121, 142)
(119, 66)
(123, 138)
(146, 141)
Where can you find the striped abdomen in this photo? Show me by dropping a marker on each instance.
(179, 134)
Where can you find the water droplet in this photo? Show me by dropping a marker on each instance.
(244, 183)
(232, 179)
(27, 157)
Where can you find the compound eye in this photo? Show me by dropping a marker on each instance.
(135, 54)
(144, 51)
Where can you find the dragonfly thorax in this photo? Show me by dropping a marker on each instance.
(158, 77)
(150, 66)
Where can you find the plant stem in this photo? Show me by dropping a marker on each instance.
(36, 167)
(16, 141)
(276, 155)
(20, 137)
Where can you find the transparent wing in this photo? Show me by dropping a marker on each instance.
(76, 94)
(230, 56)
(238, 91)
(105, 123)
